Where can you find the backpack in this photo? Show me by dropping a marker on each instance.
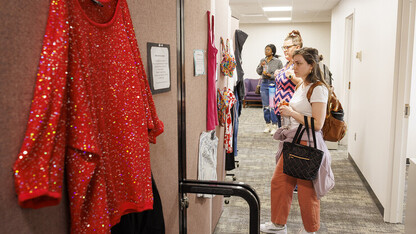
(228, 63)
(327, 74)
(334, 128)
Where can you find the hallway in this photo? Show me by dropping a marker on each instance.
(348, 208)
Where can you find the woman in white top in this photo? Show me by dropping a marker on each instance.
(306, 66)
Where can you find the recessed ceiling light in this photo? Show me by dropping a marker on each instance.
(280, 19)
(252, 15)
(285, 8)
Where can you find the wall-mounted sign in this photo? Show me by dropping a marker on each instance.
(199, 64)
(158, 61)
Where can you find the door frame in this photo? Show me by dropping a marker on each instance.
(401, 96)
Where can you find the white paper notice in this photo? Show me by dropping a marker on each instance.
(160, 67)
(199, 64)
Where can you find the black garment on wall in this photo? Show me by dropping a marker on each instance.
(240, 39)
(146, 222)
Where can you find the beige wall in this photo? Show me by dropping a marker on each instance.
(164, 154)
(317, 35)
(371, 101)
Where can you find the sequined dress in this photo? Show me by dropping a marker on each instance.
(92, 116)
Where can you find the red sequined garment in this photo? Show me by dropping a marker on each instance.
(93, 114)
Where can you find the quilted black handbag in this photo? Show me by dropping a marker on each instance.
(301, 161)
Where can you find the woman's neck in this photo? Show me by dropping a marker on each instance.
(305, 83)
(269, 58)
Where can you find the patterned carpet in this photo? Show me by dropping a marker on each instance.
(347, 208)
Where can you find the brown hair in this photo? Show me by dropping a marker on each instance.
(295, 37)
(312, 57)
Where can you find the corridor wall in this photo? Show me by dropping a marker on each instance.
(203, 214)
(22, 28)
(370, 126)
(316, 35)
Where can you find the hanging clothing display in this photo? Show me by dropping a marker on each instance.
(230, 157)
(232, 80)
(225, 102)
(239, 91)
(212, 117)
(92, 115)
(228, 134)
(222, 105)
(207, 162)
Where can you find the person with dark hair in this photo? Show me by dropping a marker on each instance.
(285, 79)
(306, 66)
(266, 69)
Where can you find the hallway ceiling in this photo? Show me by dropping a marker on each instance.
(251, 11)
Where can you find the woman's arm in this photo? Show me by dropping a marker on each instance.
(318, 113)
(260, 67)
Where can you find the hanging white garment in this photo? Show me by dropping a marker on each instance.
(207, 164)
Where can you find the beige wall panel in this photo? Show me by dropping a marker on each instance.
(199, 211)
(155, 21)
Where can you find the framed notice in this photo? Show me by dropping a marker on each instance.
(199, 64)
(158, 62)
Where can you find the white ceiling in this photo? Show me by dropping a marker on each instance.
(251, 11)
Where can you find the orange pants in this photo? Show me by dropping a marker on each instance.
(282, 187)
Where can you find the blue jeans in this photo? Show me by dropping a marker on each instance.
(269, 115)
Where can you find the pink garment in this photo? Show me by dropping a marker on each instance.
(212, 116)
(228, 135)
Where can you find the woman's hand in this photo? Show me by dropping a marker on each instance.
(285, 110)
(263, 63)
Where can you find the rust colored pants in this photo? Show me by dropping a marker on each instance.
(282, 187)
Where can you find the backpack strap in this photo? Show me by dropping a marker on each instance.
(310, 91)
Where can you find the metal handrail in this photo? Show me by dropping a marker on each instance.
(229, 189)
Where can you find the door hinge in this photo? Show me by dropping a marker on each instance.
(406, 110)
(184, 202)
(349, 85)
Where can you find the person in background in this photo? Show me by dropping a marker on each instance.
(266, 69)
(285, 79)
(306, 66)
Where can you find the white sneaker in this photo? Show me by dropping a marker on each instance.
(267, 128)
(269, 227)
(273, 129)
(303, 231)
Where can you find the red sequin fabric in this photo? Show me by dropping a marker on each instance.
(92, 116)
